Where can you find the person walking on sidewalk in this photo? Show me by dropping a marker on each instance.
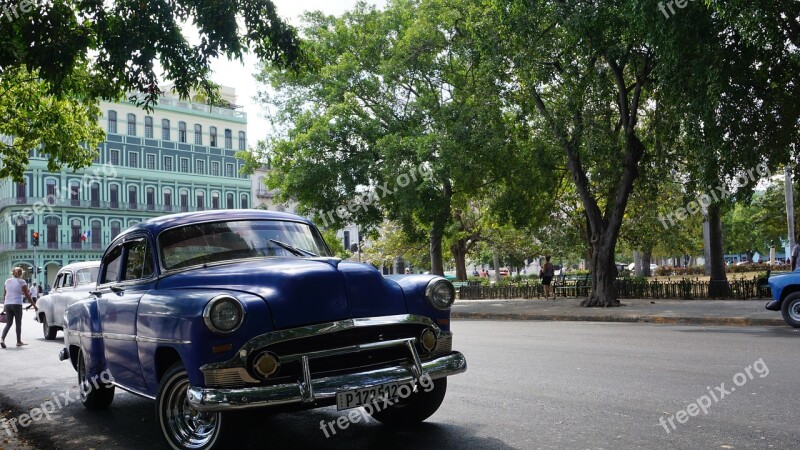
(547, 273)
(14, 290)
(795, 252)
(34, 297)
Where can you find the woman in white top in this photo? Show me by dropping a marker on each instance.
(14, 290)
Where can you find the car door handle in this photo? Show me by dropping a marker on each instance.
(117, 289)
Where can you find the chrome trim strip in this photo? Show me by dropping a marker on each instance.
(346, 350)
(307, 390)
(258, 342)
(207, 399)
(126, 337)
(119, 337)
(154, 340)
(417, 367)
(133, 391)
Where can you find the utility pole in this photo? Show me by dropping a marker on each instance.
(787, 171)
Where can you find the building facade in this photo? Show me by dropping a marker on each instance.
(178, 157)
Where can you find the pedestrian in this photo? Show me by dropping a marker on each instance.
(14, 290)
(795, 252)
(547, 273)
(34, 297)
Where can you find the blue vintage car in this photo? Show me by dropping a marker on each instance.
(213, 312)
(786, 296)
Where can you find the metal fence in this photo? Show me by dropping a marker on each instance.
(683, 289)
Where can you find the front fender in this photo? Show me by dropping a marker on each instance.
(45, 307)
(82, 332)
(781, 286)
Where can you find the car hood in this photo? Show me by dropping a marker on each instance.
(302, 291)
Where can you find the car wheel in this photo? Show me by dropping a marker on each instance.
(182, 426)
(791, 309)
(413, 409)
(48, 331)
(94, 393)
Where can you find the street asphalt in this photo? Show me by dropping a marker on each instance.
(27, 381)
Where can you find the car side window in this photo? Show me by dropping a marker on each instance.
(112, 265)
(139, 263)
(67, 280)
(59, 279)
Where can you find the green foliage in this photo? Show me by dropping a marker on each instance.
(335, 244)
(64, 129)
(107, 49)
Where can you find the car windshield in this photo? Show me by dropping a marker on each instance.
(86, 276)
(205, 243)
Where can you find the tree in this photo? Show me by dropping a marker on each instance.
(65, 129)
(57, 58)
(398, 122)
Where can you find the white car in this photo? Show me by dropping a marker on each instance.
(653, 267)
(73, 283)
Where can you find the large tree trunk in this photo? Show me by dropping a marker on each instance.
(459, 251)
(437, 265)
(604, 274)
(637, 264)
(719, 280)
(647, 256)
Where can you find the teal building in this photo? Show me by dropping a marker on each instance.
(178, 157)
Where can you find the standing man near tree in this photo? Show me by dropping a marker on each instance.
(795, 252)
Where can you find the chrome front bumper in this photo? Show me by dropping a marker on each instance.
(310, 390)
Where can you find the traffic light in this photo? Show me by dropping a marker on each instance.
(35, 238)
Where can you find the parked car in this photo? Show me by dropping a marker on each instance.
(504, 271)
(213, 312)
(786, 297)
(72, 283)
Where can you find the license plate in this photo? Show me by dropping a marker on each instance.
(364, 396)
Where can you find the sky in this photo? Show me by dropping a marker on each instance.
(240, 75)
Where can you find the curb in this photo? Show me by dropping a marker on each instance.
(721, 321)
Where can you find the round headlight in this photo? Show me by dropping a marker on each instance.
(223, 314)
(440, 293)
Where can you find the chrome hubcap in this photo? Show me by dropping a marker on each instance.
(794, 311)
(188, 426)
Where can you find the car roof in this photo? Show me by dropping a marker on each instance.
(158, 224)
(80, 265)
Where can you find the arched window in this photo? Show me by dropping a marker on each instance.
(132, 201)
(167, 199)
(229, 201)
(215, 200)
(213, 133)
(74, 193)
(94, 195)
(165, 131)
(94, 236)
(200, 201)
(50, 195)
(112, 121)
(77, 234)
(115, 229)
(131, 124)
(184, 201)
(113, 196)
(242, 141)
(150, 199)
(182, 132)
(148, 127)
(244, 202)
(198, 134)
(228, 139)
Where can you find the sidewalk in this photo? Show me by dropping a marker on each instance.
(675, 312)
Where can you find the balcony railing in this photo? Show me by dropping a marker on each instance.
(95, 204)
(168, 101)
(63, 245)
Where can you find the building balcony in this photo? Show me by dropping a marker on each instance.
(45, 246)
(51, 203)
(184, 104)
(264, 193)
